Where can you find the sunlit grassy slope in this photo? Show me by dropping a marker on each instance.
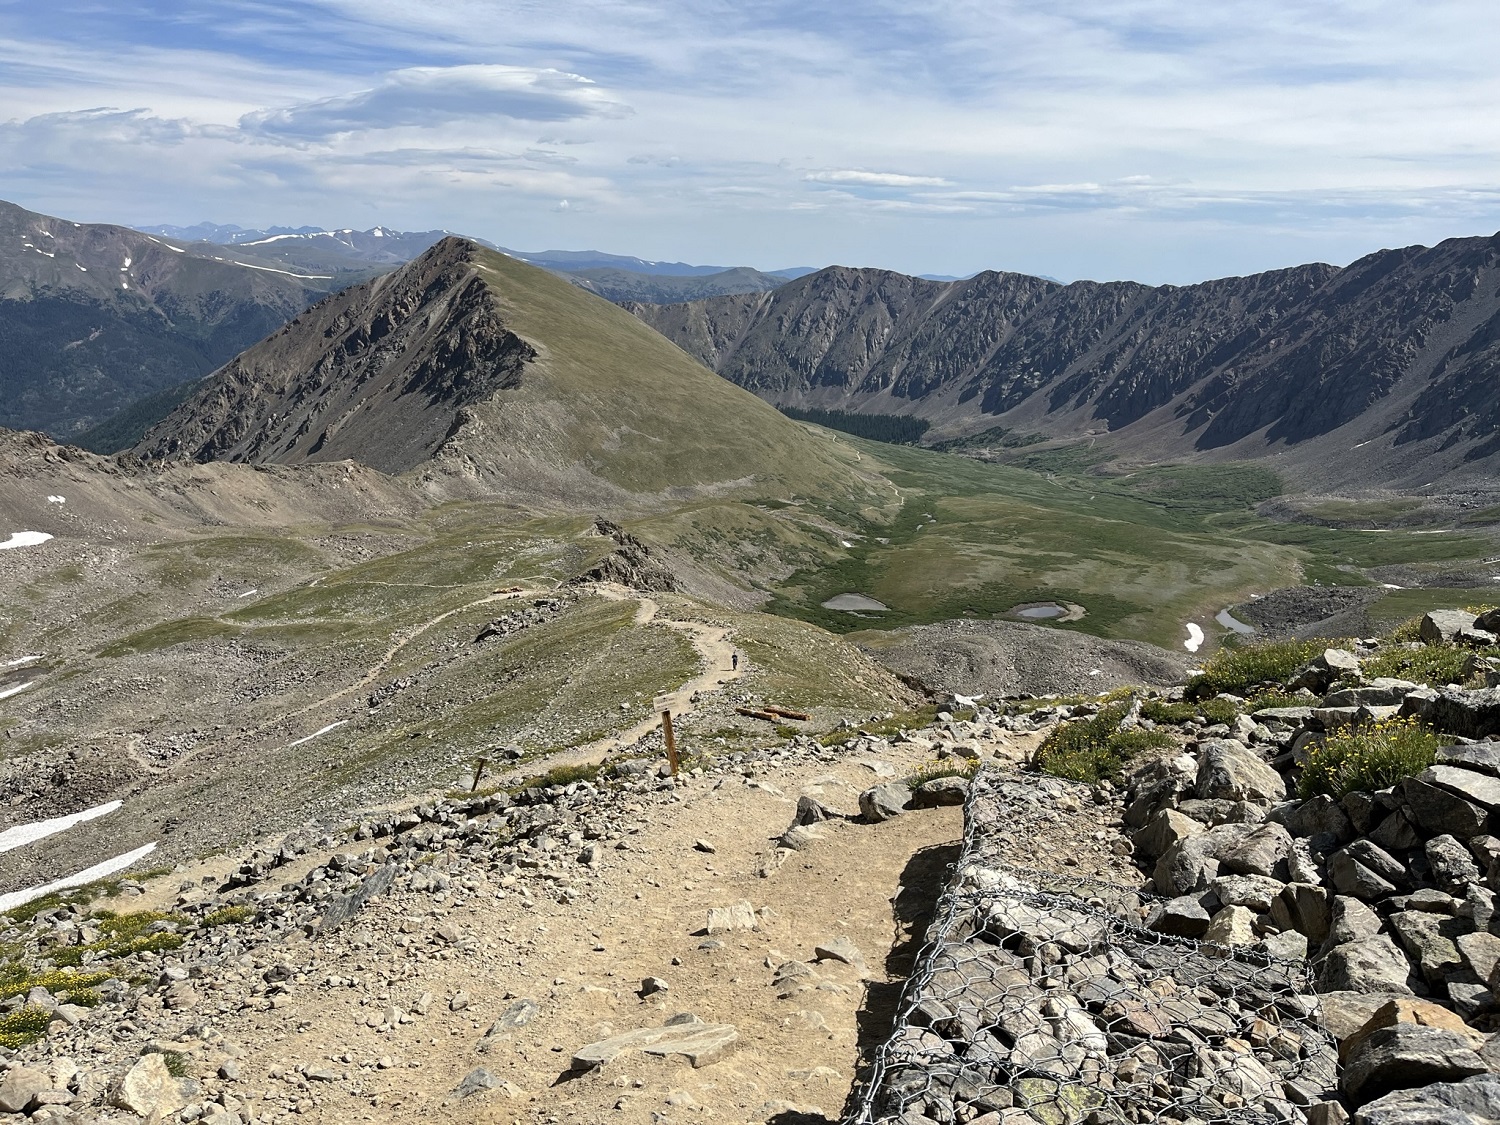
(1142, 552)
(615, 397)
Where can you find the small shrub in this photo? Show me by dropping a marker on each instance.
(1368, 758)
(561, 775)
(942, 767)
(1095, 749)
(1218, 710)
(1088, 766)
(229, 916)
(784, 730)
(1237, 669)
(1160, 711)
(23, 1027)
(1126, 744)
(1274, 699)
(1436, 666)
(124, 934)
(1406, 632)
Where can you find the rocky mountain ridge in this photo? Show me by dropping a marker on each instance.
(479, 367)
(1378, 372)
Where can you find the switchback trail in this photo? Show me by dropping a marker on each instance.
(714, 648)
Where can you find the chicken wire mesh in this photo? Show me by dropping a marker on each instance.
(1040, 999)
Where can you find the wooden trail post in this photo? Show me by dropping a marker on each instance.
(664, 705)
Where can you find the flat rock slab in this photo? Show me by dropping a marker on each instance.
(727, 919)
(699, 1043)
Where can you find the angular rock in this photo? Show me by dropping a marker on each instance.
(1477, 788)
(476, 1081)
(342, 909)
(1442, 626)
(21, 1085)
(1233, 925)
(1350, 920)
(1481, 953)
(1470, 1102)
(810, 810)
(1263, 851)
(1255, 891)
(1409, 1010)
(515, 1017)
(1303, 907)
(1192, 863)
(1481, 757)
(883, 802)
(1319, 815)
(840, 949)
(1163, 830)
(1461, 711)
(149, 1088)
(1322, 670)
(1383, 691)
(1370, 964)
(1451, 865)
(1429, 942)
(1437, 812)
(940, 791)
(1407, 1055)
(701, 1044)
(1229, 770)
(1352, 878)
(727, 919)
(1184, 916)
(1395, 833)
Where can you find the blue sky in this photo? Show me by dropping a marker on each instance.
(1159, 140)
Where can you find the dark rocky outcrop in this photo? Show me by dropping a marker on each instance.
(1398, 347)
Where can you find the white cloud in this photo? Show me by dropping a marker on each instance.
(1103, 137)
(434, 96)
(874, 179)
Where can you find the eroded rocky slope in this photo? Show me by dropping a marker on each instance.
(1377, 372)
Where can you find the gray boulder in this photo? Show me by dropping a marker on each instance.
(1437, 812)
(1407, 1054)
(1304, 908)
(1481, 757)
(1319, 815)
(1366, 872)
(1429, 942)
(1442, 626)
(883, 802)
(1476, 788)
(21, 1085)
(1350, 919)
(1474, 1101)
(1371, 964)
(1322, 670)
(940, 791)
(1164, 830)
(1262, 852)
(1193, 862)
(1229, 770)
(1382, 691)
(1461, 711)
(1451, 865)
(1184, 916)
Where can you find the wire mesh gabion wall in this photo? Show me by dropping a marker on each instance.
(1040, 999)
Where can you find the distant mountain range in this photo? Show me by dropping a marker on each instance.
(93, 317)
(1380, 373)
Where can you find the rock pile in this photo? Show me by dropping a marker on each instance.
(1392, 893)
(1042, 998)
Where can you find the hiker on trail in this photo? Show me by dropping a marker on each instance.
(734, 662)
